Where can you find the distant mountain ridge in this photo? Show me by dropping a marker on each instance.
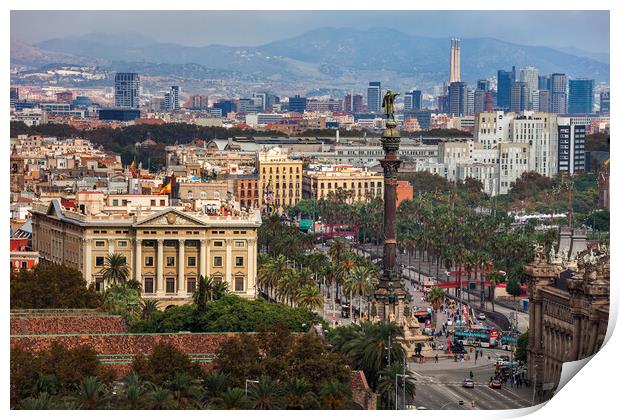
(330, 54)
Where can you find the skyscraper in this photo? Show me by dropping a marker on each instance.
(455, 60)
(558, 93)
(580, 96)
(519, 97)
(413, 100)
(544, 82)
(374, 97)
(457, 98)
(604, 98)
(571, 145)
(479, 100)
(171, 99)
(353, 103)
(14, 96)
(504, 85)
(541, 100)
(529, 75)
(127, 90)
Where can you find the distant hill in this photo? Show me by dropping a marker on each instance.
(335, 55)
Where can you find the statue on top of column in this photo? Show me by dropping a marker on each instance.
(388, 103)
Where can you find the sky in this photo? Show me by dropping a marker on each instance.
(585, 30)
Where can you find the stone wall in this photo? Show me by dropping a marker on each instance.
(362, 394)
(67, 324)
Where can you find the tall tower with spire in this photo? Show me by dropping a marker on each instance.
(455, 60)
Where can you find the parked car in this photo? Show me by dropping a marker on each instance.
(482, 316)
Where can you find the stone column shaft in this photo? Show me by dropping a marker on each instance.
(181, 272)
(160, 266)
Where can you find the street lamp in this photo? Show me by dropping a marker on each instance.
(404, 376)
(246, 385)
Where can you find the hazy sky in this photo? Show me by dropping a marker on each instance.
(587, 30)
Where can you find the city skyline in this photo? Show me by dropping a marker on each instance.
(587, 31)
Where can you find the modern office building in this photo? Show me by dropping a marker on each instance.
(558, 93)
(413, 100)
(541, 100)
(457, 94)
(580, 96)
(423, 116)
(504, 85)
(479, 100)
(519, 97)
(226, 106)
(604, 101)
(544, 82)
(297, 104)
(455, 60)
(374, 97)
(127, 90)
(571, 145)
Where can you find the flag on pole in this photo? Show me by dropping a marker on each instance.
(132, 168)
(166, 189)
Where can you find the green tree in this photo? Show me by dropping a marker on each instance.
(387, 384)
(266, 394)
(436, 297)
(115, 269)
(335, 395)
(522, 343)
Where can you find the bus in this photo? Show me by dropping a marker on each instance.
(483, 337)
(423, 316)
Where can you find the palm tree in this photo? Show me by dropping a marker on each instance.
(135, 392)
(436, 297)
(231, 399)
(387, 384)
(115, 269)
(149, 308)
(214, 384)
(309, 297)
(335, 396)
(266, 394)
(42, 401)
(160, 398)
(91, 393)
(220, 289)
(185, 390)
(298, 395)
(360, 283)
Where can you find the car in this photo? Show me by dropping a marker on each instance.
(495, 384)
(421, 408)
(482, 316)
(468, 383)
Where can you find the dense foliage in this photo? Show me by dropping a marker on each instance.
(285, 372)
(52, 286)
(228, 314)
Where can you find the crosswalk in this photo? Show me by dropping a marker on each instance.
(435, 395)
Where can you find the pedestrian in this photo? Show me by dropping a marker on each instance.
(476, 357)
(436, 358)
(455, 358)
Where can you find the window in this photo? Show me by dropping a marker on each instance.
(153, 203)
(191, 261)
(24, 265)
(148, 285)
(99, 261)
(99, 284)
(122, 244)
(190, 194)
(162, 202)
(170, 283)
(239, 284)
(148, 261)
(217, 261)
(203, 194)
(239, 244)
(99, 243)
(217, 279)
(169, 261)
(238, 261)
(218, 243)
(191, 284)
(115, 203)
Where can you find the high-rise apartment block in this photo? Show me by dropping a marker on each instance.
(171, 99)
(571, 145)
(558, 93)
(14, 96)
(457, 94)
(374, 97)
(504, 85)
(519, 97)
(529, 75)
(580, 96)
(127, 90)
(197, 102)
(353, 103)
(604, 101)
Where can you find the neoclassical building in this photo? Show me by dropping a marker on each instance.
(569, 311)
(166, 248)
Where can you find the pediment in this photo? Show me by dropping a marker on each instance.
(170, 217)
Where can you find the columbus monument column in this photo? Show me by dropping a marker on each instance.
(390, 301)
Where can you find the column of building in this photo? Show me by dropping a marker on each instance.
(181, 272)
(88, 261)
(138, 261)
(160, 267)
(251, 284)
(229, 264)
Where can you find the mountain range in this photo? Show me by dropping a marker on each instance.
(331, 56)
